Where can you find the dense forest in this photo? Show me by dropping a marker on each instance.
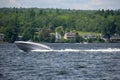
(39, 24)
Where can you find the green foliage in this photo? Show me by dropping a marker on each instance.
(60, 30)
(27, 21)
(11, 34)
(110, 27)
(28, 34)
(45, 36)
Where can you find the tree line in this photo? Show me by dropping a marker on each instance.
(39, 24)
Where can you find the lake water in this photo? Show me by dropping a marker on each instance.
(65, 62)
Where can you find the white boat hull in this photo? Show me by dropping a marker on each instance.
(29, 46)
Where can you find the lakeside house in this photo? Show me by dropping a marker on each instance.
(89, 36)
(115, 38)
(69, 35)
(1, 37)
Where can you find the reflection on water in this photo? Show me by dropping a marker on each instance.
(64, 63)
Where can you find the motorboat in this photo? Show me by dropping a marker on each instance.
(27, 46)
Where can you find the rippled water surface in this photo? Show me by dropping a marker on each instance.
(63, 62)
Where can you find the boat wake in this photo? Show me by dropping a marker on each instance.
(78, 50)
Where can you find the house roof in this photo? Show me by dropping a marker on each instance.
(116, 36)
(70, 34)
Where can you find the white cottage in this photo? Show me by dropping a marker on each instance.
(57, 36)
